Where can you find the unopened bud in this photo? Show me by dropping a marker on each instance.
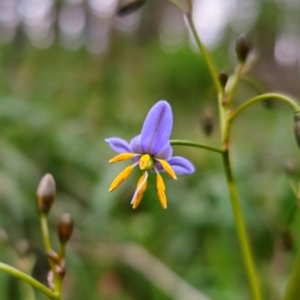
(268, 103)
(45, 194)
(297, 127)
(242, 48)
(207, 122)
(65, 228)
(130, 7)
(223, 78)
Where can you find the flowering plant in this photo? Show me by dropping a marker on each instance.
(150, 150)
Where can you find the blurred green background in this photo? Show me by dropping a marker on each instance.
(73, 73)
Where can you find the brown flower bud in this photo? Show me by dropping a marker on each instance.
(223, 78)
(130, 7)
(65, 228)
(242, 48)
(269, 104)
(207, 121)
(297, 127)
(45, 194)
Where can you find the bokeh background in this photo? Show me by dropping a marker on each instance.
(74, 72)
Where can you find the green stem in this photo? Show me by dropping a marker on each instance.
(48, 248)
(34, 283)
(235, 84)
(263, 97)
(206, 57)
(292, 289)
(241, 229)
(210, 66)
(192, 144)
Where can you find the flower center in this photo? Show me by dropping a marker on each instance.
(146, 162)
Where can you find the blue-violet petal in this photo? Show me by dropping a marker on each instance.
(181, 165)
(119, 145)
(165, 153)
(157, 128)
(135, 144)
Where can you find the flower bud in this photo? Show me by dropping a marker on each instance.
(223, 78)
(65, 228)
(130, 7)
(297, 127)
(242, 48)
(207, 122)
(45, 194)
(269, 103)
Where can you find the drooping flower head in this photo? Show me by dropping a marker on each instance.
(151, 151)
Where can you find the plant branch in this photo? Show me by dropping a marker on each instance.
(263, 97)
(33, 282)
(241, 229)
(192, 144)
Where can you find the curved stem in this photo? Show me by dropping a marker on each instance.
(241, 229)
(33, 282)
(192, 144)
(263, 97)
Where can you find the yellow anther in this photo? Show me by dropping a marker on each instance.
(120, 178)
(166, 166)
(121, 157)
(138, 197)
(161, 191)
(146, 162)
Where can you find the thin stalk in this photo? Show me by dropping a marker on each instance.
(235, 84)
(263, 97)
(206, 57)
(48, 248)
(33, 282)
(211, 68)
(292, 289)
(241, 229)
(192, 144)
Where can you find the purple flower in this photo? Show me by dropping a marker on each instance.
(150, 150)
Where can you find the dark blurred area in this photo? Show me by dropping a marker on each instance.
(73, 73)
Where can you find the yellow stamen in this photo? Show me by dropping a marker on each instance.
(121, 157)
(141, 186)
(161, 191)
(166, 166)
(146, 162)
(121, 177)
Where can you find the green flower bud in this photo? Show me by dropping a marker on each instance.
(45, 194)
(223, 78)
(242, 48)
(297, 127)
(130, 7)
(65, 228)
